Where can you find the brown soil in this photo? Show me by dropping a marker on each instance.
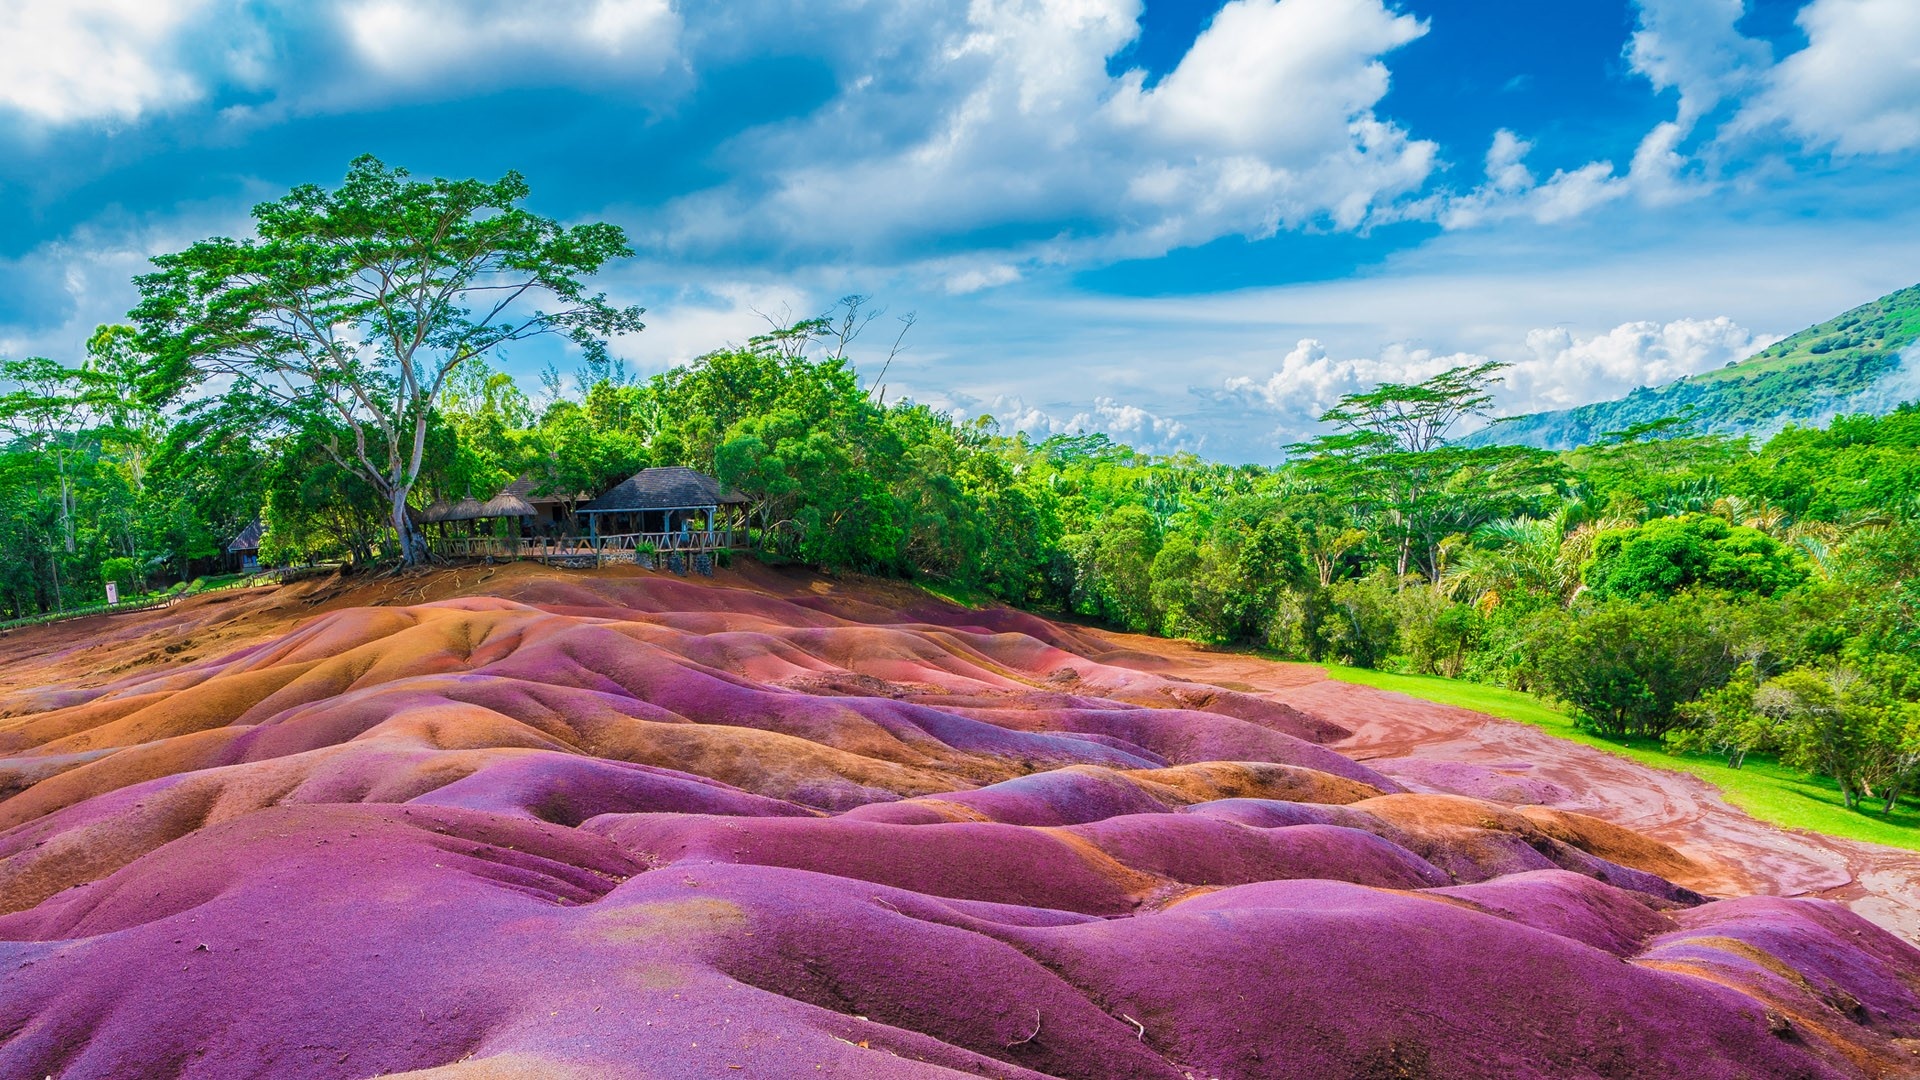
(1736, 853)
(1741, 854)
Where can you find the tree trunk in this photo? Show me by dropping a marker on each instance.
(411, 542)
(66, 506)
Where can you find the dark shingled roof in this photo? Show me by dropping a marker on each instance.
(248, 540)
(674, 487)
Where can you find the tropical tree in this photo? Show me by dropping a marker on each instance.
(361, 302)
(1666, 555)
(50, 412)
(1389, 455)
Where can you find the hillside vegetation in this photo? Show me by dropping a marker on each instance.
(1849, 364)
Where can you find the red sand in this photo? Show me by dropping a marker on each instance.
(522, 822)
(1410, 740)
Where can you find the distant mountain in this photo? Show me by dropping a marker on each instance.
(1865, 361)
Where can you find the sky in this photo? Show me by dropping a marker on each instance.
(1191, 225)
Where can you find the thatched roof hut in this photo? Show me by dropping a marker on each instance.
(503, 505)
(672, 487)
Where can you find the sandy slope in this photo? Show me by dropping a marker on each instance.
(1404, 736)
(519, 822)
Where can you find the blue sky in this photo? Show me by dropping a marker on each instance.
(1192, 225)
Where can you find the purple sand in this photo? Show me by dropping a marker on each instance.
(646, 828)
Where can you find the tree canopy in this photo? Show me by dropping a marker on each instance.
(358, 304)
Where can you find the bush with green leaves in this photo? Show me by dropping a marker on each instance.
(1838, 722)
(1724, 720)
(1626, 667)
(1665, 555)
(1361, 628)
(121, 571)
(1437, 633)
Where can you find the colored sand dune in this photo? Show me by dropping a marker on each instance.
(624, 825)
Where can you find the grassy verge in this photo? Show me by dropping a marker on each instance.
(956, 594)
(1762, 787)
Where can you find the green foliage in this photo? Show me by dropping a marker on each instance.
(1117, 578)
(1666, 555)
(359, 305)
(1389, 460)
(1438, 633)
(1723, 720)
(1847, 726)
(120, 570)
(1626, 666)
(1360, 628)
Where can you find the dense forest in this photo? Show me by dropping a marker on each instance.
(1663, 583)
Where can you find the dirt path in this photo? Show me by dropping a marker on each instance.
(1746, 855)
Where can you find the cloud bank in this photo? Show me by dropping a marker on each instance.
(1553, 368)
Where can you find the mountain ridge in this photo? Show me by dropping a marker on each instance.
(1866, 359)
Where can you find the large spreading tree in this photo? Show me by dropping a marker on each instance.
(357, 304)
(1389, 456)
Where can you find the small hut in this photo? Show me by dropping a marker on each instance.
(246, 547)
(472, 526)
(503, 505)
(550, 510)
(670, 508)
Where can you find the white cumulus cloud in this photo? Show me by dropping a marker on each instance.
(1309, 381)
(74, 60)
(1011, 121)
(1856, 86)
(1695, 47)
(412, 40)
(1553, 368)
(1561, 369)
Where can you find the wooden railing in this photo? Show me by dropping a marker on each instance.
(613, 547)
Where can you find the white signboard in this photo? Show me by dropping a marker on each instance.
(113, 593)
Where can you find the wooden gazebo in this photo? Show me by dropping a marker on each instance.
(673, 508)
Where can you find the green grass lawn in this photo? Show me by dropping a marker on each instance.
(1763, 787)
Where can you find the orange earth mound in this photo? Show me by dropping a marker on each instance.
(517, 821)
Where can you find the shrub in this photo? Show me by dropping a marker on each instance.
(1667, 555)
(1724, 721)
(1625, 668)
(1436, 633)
(120, 571)
(1361, 629)
(1297, 625)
